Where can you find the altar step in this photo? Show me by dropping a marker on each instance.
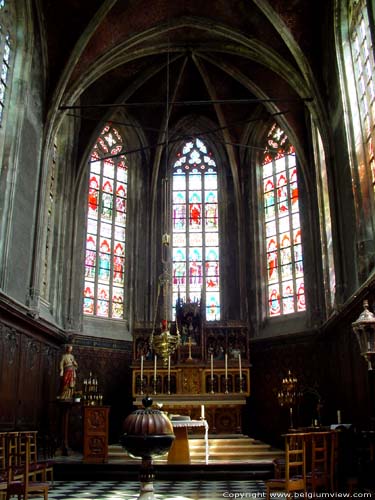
(235, 448)
(230, 456)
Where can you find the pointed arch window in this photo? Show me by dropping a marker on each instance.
(5, 54)
(195, 228)
(106, 224)
(362, 53)
(282, 228)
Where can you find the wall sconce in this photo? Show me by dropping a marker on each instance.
(364, 329)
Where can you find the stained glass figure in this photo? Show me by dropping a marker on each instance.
(106, 216)
(282, 229)
(195, 227)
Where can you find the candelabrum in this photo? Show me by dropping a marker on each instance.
(164, 343)
(91, 394)
(288, 394)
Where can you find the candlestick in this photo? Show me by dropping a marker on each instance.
(141, 381)
(202, 412)
(338, 416)
(226, 365)
(155, 365)
(169, 368)
(212, 367)
(239, 365)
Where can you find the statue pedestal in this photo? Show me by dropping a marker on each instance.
(65, 406)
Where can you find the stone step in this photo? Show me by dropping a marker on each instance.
(195, 443)
(233, 448)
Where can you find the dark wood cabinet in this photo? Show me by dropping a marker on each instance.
(95, 434)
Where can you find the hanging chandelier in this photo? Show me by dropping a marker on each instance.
(164, 341)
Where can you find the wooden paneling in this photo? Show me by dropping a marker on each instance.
(111, 366)
(9, 376)
(327, 363)
(28, 378)
(95, 434)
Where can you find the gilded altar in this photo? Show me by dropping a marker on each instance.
(209, 372)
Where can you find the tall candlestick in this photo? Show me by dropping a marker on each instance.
(169, 368)
(226, 365)
(155, 364)
(142, 367)
(239, 365)
(202, 412)
(212, 366)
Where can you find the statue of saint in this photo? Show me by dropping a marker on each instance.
(68, 366)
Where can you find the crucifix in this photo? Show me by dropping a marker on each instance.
(189, 344)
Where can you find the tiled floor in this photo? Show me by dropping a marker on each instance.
(163, 490)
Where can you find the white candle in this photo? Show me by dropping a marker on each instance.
(338, 416)
(142, 367)
(155, 364)
(169, 368)
(212, 366)
(202, 412)
(226, 365)
(239, 365)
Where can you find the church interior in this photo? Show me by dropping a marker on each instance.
(187, 214)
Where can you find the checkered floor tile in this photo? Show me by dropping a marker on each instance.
(163, 490)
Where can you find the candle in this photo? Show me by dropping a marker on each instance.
(202, 412)
(212, 366)
(239, 365)
(155, 364)
(226, 365)
(142, 367)
(338, 416)
(169, 368)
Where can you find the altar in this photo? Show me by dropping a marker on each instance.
(180, 452)
(210, 368)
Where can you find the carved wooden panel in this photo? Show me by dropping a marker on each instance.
(28, 379)
(95, 434)
(29, 383)
(9, 361)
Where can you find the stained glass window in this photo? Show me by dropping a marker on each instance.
(364, 68)
(283, 246)
(106, 223)
(195, 228)
(5, 56)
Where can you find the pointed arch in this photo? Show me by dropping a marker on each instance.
(6, 53)
(195, 227)
(106, 224)
(282, 227)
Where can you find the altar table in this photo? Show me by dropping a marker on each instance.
(179, 452)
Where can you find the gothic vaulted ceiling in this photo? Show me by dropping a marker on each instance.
(232, 62)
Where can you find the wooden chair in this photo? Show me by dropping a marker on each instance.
(24, 487)
(295, 467)
(13, 459)
(38, 469)
(319, 475)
